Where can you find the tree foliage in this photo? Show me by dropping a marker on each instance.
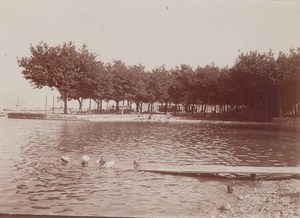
(257, 81)
(60, 67)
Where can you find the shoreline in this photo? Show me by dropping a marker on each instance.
(270, 198)
(289, 123)
(277, 198)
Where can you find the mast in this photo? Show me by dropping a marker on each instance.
(18, 103)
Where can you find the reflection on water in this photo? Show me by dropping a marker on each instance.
(33, 180)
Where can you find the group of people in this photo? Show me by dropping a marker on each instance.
(85, 160)
(144, 117)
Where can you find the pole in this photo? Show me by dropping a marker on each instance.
(18, 104)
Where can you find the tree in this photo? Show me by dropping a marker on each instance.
(183, 88)
(137, 83)
(83, 86)
(253, 84)
(160, 82)
(208, 84)
(119, 81)
(287, 80)
(225, 91)
(101, 85)
(55, 67)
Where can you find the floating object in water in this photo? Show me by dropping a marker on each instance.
(104, 164)
(85, 160)
(136, 162)
(229, 189)
(101, 162)
(65, 159)
(109, 164)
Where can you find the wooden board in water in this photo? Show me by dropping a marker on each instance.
(213, 169)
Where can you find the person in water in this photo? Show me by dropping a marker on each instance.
(101, 162)
(136, 162)
(85, 160)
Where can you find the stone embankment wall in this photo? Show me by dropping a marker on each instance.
(26, 116)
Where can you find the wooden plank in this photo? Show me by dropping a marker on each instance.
(213, 169)
(11, 215)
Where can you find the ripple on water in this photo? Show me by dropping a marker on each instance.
(31, 169)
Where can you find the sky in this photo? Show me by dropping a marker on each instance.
(152, 33)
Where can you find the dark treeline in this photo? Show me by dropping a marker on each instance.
(257, 81)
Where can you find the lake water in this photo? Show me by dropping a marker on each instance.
(33, 180)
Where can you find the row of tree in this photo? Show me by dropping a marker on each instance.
(256, 80)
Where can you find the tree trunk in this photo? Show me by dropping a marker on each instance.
(186, 108)
(117, 105)
(279, 112)
(100, 104)
(137, 106)
(166, 107)
(65, 102)
(80, 104)
(90, 105)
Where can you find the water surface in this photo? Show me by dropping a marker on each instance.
(34, 181)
